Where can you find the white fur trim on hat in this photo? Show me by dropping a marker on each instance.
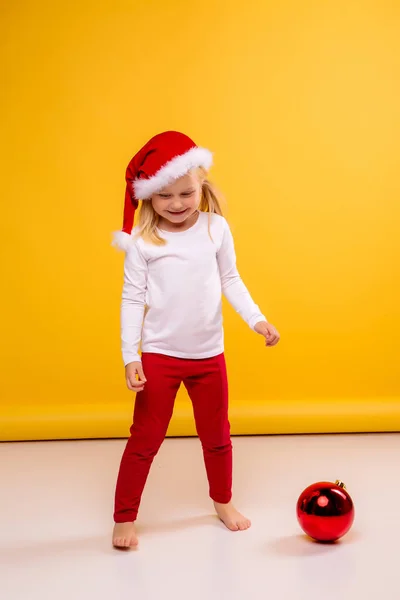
(122, 240)
(172, 170)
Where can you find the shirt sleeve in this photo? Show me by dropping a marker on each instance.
(233, 287)
(133, 303)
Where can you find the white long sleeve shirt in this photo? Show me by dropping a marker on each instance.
(172, 294)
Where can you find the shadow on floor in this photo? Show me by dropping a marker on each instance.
(301, 545)
(178, 524)
(95, 545)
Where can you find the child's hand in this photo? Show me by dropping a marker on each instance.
(271, 335)
(135, 378)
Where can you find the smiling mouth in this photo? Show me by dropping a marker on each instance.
(177, 213)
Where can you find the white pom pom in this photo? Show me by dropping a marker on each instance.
(121, 240)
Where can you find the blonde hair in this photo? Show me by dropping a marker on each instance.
(210, 202)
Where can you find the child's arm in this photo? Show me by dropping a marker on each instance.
(236, 292)
(133, 304)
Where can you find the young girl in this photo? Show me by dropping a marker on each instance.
(179, 260)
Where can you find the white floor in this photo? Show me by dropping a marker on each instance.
(56, 518)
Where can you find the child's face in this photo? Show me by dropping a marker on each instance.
(180, 200)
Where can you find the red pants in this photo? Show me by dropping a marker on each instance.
(207, 386)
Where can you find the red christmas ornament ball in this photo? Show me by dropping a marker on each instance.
(325, 511)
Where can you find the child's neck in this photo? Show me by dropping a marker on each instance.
(166, 225)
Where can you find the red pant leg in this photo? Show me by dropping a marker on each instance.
(207, 385)
(152, 414)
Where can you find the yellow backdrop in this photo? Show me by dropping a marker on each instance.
(300, 101)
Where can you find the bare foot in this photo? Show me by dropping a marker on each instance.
(231, 517)
(124, 535)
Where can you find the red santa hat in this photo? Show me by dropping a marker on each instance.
(165, 158)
